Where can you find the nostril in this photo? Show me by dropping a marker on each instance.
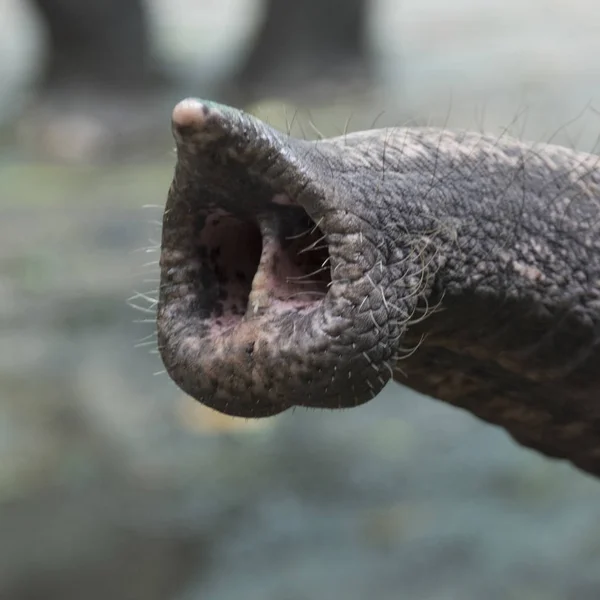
(294, 271)
(228, 251)
(308, 273)
(278, 262)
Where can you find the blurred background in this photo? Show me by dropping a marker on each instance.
(113, 484)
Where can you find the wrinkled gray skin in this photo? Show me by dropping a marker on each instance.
(464, 266)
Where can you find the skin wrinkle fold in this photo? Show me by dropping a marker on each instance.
(464, 265)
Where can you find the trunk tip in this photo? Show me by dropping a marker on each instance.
(189, 115)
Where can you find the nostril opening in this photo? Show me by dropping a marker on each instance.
(305, 272)
(280, 266)
(229, 253)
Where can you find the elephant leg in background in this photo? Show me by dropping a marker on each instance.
(108, 43)
(103, 90)
(306, 43)
(98, 44)
(103, 94)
